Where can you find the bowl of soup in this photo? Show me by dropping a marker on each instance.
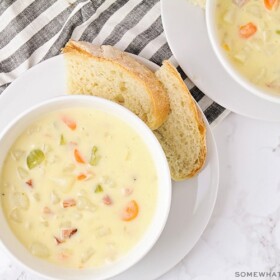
(85, 188)
(245, 36)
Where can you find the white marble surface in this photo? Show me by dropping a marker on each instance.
(244, 232)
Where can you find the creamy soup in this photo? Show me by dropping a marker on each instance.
(249, 32)
(79, 188)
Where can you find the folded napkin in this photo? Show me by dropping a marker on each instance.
(32, 31)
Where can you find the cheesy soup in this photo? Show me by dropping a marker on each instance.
(249, 32)
(79, 188)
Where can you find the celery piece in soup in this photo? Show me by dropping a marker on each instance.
(35, 158)
(98, 189)
(62, 140)
(94, 159)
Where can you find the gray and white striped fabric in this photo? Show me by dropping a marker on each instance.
(32, 31)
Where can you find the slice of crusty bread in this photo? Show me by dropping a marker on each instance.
(115, 75)
(183, 135)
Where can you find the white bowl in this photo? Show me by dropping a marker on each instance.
(224, 60)
(51, 271)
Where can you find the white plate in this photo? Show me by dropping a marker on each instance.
(192, 201)
(185, 29)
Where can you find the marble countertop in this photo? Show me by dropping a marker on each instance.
(243, 235)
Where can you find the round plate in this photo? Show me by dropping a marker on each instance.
(192, 202)
(186, 33)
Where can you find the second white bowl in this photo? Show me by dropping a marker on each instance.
(224, 60)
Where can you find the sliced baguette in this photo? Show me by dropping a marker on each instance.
(115, 75)
(183, 135)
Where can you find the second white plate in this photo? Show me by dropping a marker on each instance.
(192, 200)
(185, 28)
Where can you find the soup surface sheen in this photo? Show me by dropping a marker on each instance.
(79, 188)
(249, 32)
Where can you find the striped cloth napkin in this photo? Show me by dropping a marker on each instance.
(32, 31)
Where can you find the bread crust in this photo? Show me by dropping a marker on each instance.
(199, 120)
(159, 99)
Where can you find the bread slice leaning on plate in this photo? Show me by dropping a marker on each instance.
(107, 72)
(183, 134)
(115, 75)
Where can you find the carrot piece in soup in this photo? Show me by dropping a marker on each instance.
(247, 30)
(85, 175)
(131, 210)
(270, 3)
(78, 156)
(69, 122)
(81, 177)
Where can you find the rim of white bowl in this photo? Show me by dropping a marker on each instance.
(219, 52)
(162, 170)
